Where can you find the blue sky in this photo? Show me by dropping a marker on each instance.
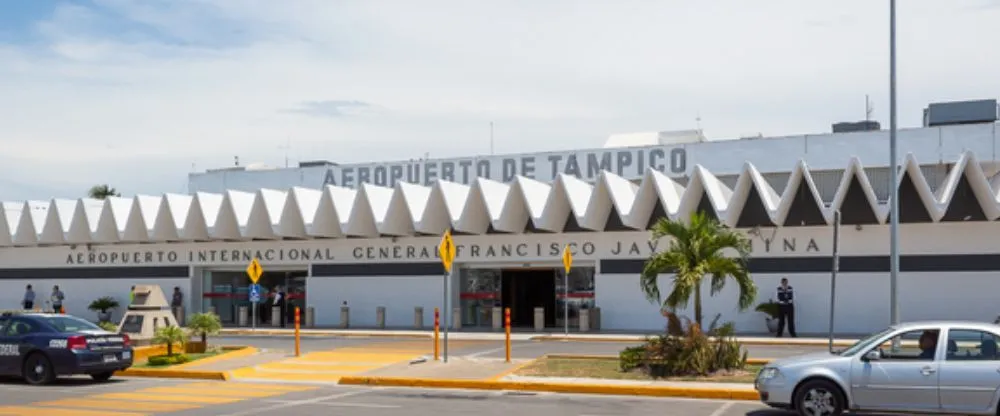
(139, 93)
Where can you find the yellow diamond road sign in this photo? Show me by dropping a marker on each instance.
(254, 270)
(447, 251)
(567, 258)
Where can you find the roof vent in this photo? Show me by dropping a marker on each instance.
(961, 112)
(856, 126)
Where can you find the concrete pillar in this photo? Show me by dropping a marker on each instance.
(497, 318)
(380, 317)
(243, 317)
(310, 318)
(456, 318)
(418, 317)
(539, 319)
(179, 315)
(345, 317)
(276, 316)
(584, 320)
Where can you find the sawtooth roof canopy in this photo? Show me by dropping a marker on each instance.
(568, 204)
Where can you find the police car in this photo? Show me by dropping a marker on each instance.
(41, 346)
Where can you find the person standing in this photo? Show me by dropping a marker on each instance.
(178, 299)
(279, 302)
(57, 299)
(131, 295)
(786, 308)
(29, 298)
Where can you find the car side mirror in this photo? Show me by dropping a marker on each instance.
(873, 355)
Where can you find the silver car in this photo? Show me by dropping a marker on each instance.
(919, 367)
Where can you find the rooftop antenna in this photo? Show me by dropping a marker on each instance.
(868, 109)
(288, 145)
(697, 120)
(491, 139)
(236, 161)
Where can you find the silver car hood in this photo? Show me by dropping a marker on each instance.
(811, 358)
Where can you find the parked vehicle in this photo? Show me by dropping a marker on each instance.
(917, 368)
(41, 346)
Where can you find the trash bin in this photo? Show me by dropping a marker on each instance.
(456, 318)
(276, 316)
(497, 318)
(584, 321)
(418, 317)
(345, 316)
(243, 317)
(539, 319)
(380, 317)
(310, 319)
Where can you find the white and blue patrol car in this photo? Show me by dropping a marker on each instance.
(41, 346)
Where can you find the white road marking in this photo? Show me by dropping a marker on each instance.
(487, 352)
(722, 409)
(294, 403)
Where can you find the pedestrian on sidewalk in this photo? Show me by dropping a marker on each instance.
(279, 302)
(57, 298)
(29, 298)
(786, 308)
(178, 298)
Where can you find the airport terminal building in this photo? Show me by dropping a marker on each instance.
(366, 234)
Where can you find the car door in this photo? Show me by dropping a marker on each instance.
(970, 372)
(904, 377)
(6, 363)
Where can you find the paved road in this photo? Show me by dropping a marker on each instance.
(487, 349)
(136, 397)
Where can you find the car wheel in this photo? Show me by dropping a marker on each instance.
(38, 370)
(819, 398)
(102, 376)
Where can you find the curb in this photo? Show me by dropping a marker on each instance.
(605, 389)
(185, 374)
(750, 361)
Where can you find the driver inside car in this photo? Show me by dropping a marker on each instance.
(928, 345)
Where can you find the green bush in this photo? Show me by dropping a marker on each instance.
(163, 360)
(631, 358)
(686, 350)
(108, 326)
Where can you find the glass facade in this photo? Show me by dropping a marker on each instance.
(481, 290)
(227, 291)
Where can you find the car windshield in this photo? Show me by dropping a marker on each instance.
(865, 342)
(67, 324)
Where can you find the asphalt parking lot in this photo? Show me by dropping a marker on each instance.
(136, 397)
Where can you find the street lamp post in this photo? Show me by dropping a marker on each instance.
(893, 175)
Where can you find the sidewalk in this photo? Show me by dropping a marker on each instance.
(753, 339)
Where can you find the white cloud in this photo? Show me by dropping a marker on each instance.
(134, 93)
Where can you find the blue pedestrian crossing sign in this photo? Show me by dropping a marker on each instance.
(254, 293)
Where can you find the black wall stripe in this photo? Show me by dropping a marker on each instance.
(171, 272)
(848, 264)
(377, 269)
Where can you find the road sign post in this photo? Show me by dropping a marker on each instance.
(567, 259)
(447, 252)
(254, 271)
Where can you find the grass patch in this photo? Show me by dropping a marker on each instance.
(609, 369)
(191, 358)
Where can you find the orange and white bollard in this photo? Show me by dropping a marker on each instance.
(506, 326)
(298, 339)
(437, 331)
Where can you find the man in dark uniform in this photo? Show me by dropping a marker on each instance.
(786, 308)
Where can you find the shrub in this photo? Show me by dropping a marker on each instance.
(686, 350)
(169, 336)
(103, 304)
(631, 358)
(162, 360)
(108, 326)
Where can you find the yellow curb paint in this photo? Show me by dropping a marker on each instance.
(235, 353)
(277, 388)
(170, 398)
(207, 391)
(34, 411)
(750, 361)
(279, 366)
(166, 373)
(119, 405)
(651, 391)
(250, 373)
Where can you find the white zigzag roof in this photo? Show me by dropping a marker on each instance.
(611, 203)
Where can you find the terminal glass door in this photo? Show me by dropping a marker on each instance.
(580, 296)
(227, 291)
(479, 293)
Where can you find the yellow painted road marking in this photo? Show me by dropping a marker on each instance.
(168, 398)
(35, 411)
(281, 366)
(207, 391)
(119, 404)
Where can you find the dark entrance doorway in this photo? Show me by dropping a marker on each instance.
(523, 290)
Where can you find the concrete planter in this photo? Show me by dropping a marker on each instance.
(104, 316)
(772, 325)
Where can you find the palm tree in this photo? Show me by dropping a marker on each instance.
(698, 248)
(168, 336)
(205, 324)
(102, 191)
